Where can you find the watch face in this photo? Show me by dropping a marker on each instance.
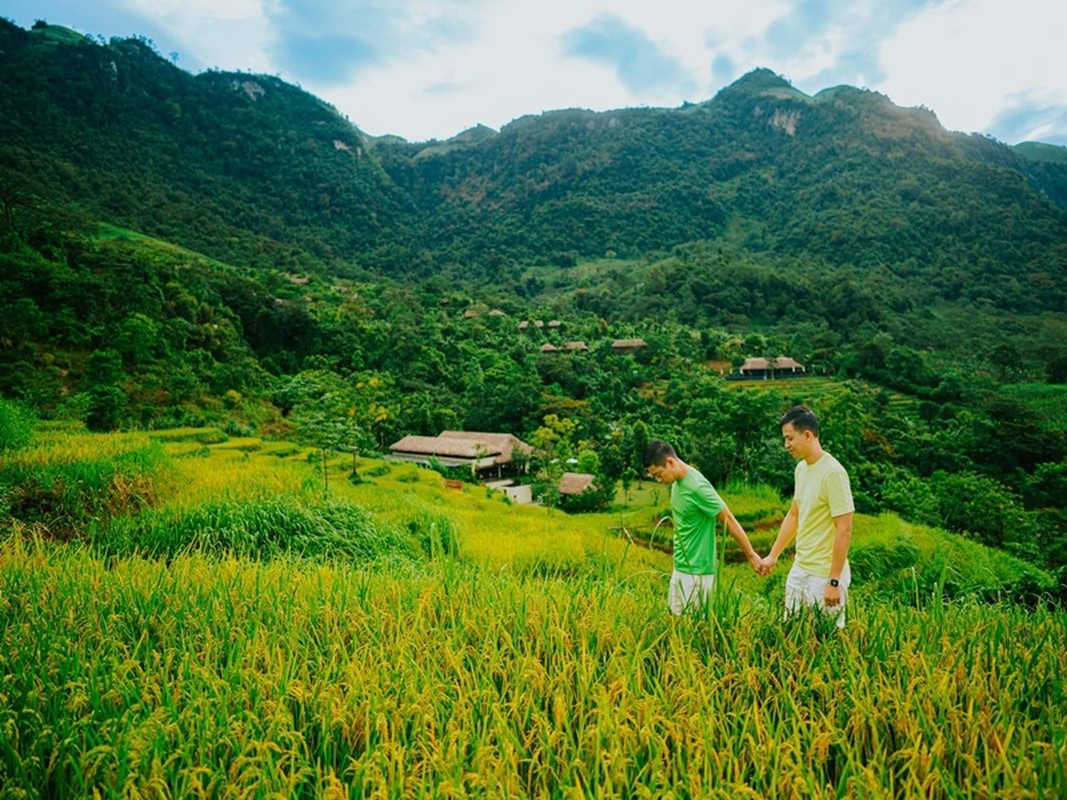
(835, 582)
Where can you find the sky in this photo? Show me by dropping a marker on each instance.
(429, 69)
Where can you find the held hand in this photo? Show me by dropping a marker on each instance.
(832, 596)
(768, 564)
(757, 563)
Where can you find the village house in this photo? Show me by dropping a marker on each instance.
(571, 484)
(487, 455)
(770, 368)
(574, 483)
(623, 346)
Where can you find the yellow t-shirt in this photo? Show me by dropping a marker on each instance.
(822, 493)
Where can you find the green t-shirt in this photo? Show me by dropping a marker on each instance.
(822, 493)
(694, 507)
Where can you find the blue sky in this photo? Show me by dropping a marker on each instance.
(426, 69)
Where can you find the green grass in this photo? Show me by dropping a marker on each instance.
(198, 435)
(219, 676)
(813, 389)
(57, 34)
(107, 232)
(1045, 400)
(65, 485)
(198, 489)
(245, 632)
(1040, 151)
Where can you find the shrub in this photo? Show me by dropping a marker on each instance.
(16, 426)
(89, 480)
(435, 533)
(263, 529)
(980, 506)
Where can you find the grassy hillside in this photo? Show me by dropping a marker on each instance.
(255, 171)
(418, 639)
(168, 491)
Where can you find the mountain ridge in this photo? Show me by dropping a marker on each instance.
(253, 170)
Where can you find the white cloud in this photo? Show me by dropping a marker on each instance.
(967, 60)
(515, 67)
(231, 35)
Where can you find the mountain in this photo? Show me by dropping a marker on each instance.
(255, 171)
(845, 178)
(240, 166)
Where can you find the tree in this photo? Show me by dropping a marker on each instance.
(640, 445)
(327, 412)
(552, 445)
(16, 425)
(138, 339)
(107, 401)
(106, 404)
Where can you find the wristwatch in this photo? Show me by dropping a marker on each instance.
(835, 582)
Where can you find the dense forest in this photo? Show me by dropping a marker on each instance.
(226, 248)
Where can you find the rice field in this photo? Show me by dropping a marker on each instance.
(424, 641)
(234, 678)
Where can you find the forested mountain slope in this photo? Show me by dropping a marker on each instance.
(842, 179)
(255, 171)
(243, 167)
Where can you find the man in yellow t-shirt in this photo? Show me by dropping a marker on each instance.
(820, 519)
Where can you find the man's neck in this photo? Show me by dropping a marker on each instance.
(813, 457)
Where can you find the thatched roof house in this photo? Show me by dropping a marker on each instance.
(572, 483)
(628, 345)
(780, 367)
(482, 452)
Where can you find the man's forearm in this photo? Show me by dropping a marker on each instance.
(842, 541)
(786, 533)
(738, 533)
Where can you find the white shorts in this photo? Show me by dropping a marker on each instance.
(807, 591)
(689, 592)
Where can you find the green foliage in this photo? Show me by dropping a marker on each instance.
(16, 425)
(281, 165)
(261, 529)
(106, 404)
(64, 496)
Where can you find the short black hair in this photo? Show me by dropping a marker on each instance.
(657, 453)
(803, 419)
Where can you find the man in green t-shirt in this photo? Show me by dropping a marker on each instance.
(695, 508)
(820, 519)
